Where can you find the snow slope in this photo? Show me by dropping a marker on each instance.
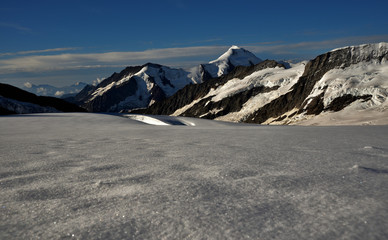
(95, 176)
(280, 77)
(235, 56)
(268, 77)
(368, 77)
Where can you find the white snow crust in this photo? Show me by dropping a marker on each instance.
(95, 176)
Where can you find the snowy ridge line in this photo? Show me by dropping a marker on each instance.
(382, 46)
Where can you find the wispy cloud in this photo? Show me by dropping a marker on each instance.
(313, 46)
(99, 60)
(15, 26)
(266, 43)
(169, 56)
(38, 51)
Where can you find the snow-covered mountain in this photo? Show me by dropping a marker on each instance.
(17, 101)
(142, 86)
(48, 90)
(342, 86)
(232, 58)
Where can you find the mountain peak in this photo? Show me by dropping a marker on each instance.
(233, 57)
(238, 56)
(234, 47)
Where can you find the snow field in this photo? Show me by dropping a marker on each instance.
(101, 176)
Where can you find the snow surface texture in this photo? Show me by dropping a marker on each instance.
(95, 176)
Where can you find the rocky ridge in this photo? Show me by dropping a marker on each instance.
(142, 86)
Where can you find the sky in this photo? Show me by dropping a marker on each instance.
(62, 42)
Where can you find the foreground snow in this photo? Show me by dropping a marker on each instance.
(94, 176)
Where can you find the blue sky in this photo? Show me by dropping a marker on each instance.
(62, 42)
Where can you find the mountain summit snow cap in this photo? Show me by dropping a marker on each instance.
(238, 56)
(235, 56)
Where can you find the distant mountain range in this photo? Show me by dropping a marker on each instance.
(142, 86)
(48, 90)
(347, 85)
(344, 86)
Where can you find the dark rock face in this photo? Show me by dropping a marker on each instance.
(341, 102)
(118, 76)
(113, 96)
(15, 93)
(205, 75)
(316, 105)
(80, 97)
(195, 91)
(4, 111)
(210, 110)
(83, 95)
(116, 94)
